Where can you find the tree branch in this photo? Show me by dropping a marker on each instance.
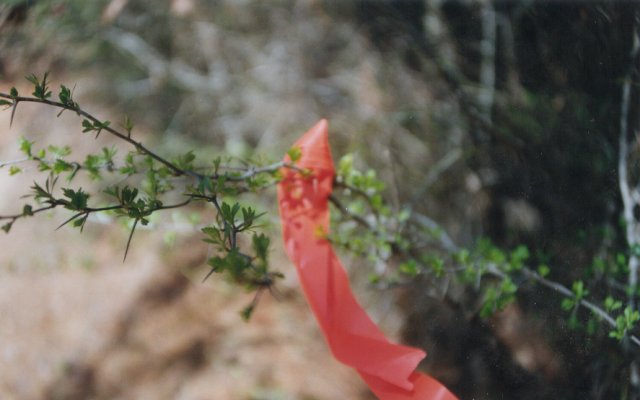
(628, 201)
(127, 138)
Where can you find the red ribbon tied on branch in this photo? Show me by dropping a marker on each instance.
(354, 339)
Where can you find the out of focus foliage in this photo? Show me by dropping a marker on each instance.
(495, 127)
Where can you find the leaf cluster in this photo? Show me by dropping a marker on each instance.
(414, 247)
(248, 265)
(410, 246)
(141, 183)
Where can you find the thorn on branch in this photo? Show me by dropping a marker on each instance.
(133, 228)
(13, 112)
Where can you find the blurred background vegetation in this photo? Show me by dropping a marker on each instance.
(499, 120)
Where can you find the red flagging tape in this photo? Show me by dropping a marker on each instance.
(354, 339)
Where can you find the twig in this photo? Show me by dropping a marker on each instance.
(632, 225)
(177, 171)
(13, 162)
(445, 240)
(253, 171)
(138, 145)
(563, 290)
(628, 202)
(451, 248)
(345, 211)
(21, 215)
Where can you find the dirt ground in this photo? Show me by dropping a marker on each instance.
(78, 323)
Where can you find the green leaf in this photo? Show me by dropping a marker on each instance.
(129, 165)
(213, 234)
(128, 195)
(437, 265)
(496, 256)
(247, 311)
(64, 95)
(59, 152)
(33, 79)
(41, 89)
(518, 257)
(248, 214)
(13, 92)
(60, 166)
(294, 154)
(220, 183)
(568, 304)
(462, 257)
(102, 125)
(205, 185)
(87, 126)
(233, 264)
(43, 166)
(128, 125)
(7, 103)
(611, 305)
(374, 278)
(508, 286)
(26, 146)
(27, 210)
(543, 270)
(261, 246)
(579, 291)
(404, 215)
(7, 227)
(128, 170)
(66, 98)
(92, 165)
(14, 169)
(631, 316)
(229, 212)
(97, 126)
(79, 223)
(77, 199)
(39, 192)
(489, 302)
(625, 323)
(185, 161)
(616, 334)
(409, 268)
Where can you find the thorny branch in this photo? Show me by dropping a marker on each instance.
(127, 138)
(177, 171)
(248, 173)
(251, 271)
(13, 162)
(446, 242)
